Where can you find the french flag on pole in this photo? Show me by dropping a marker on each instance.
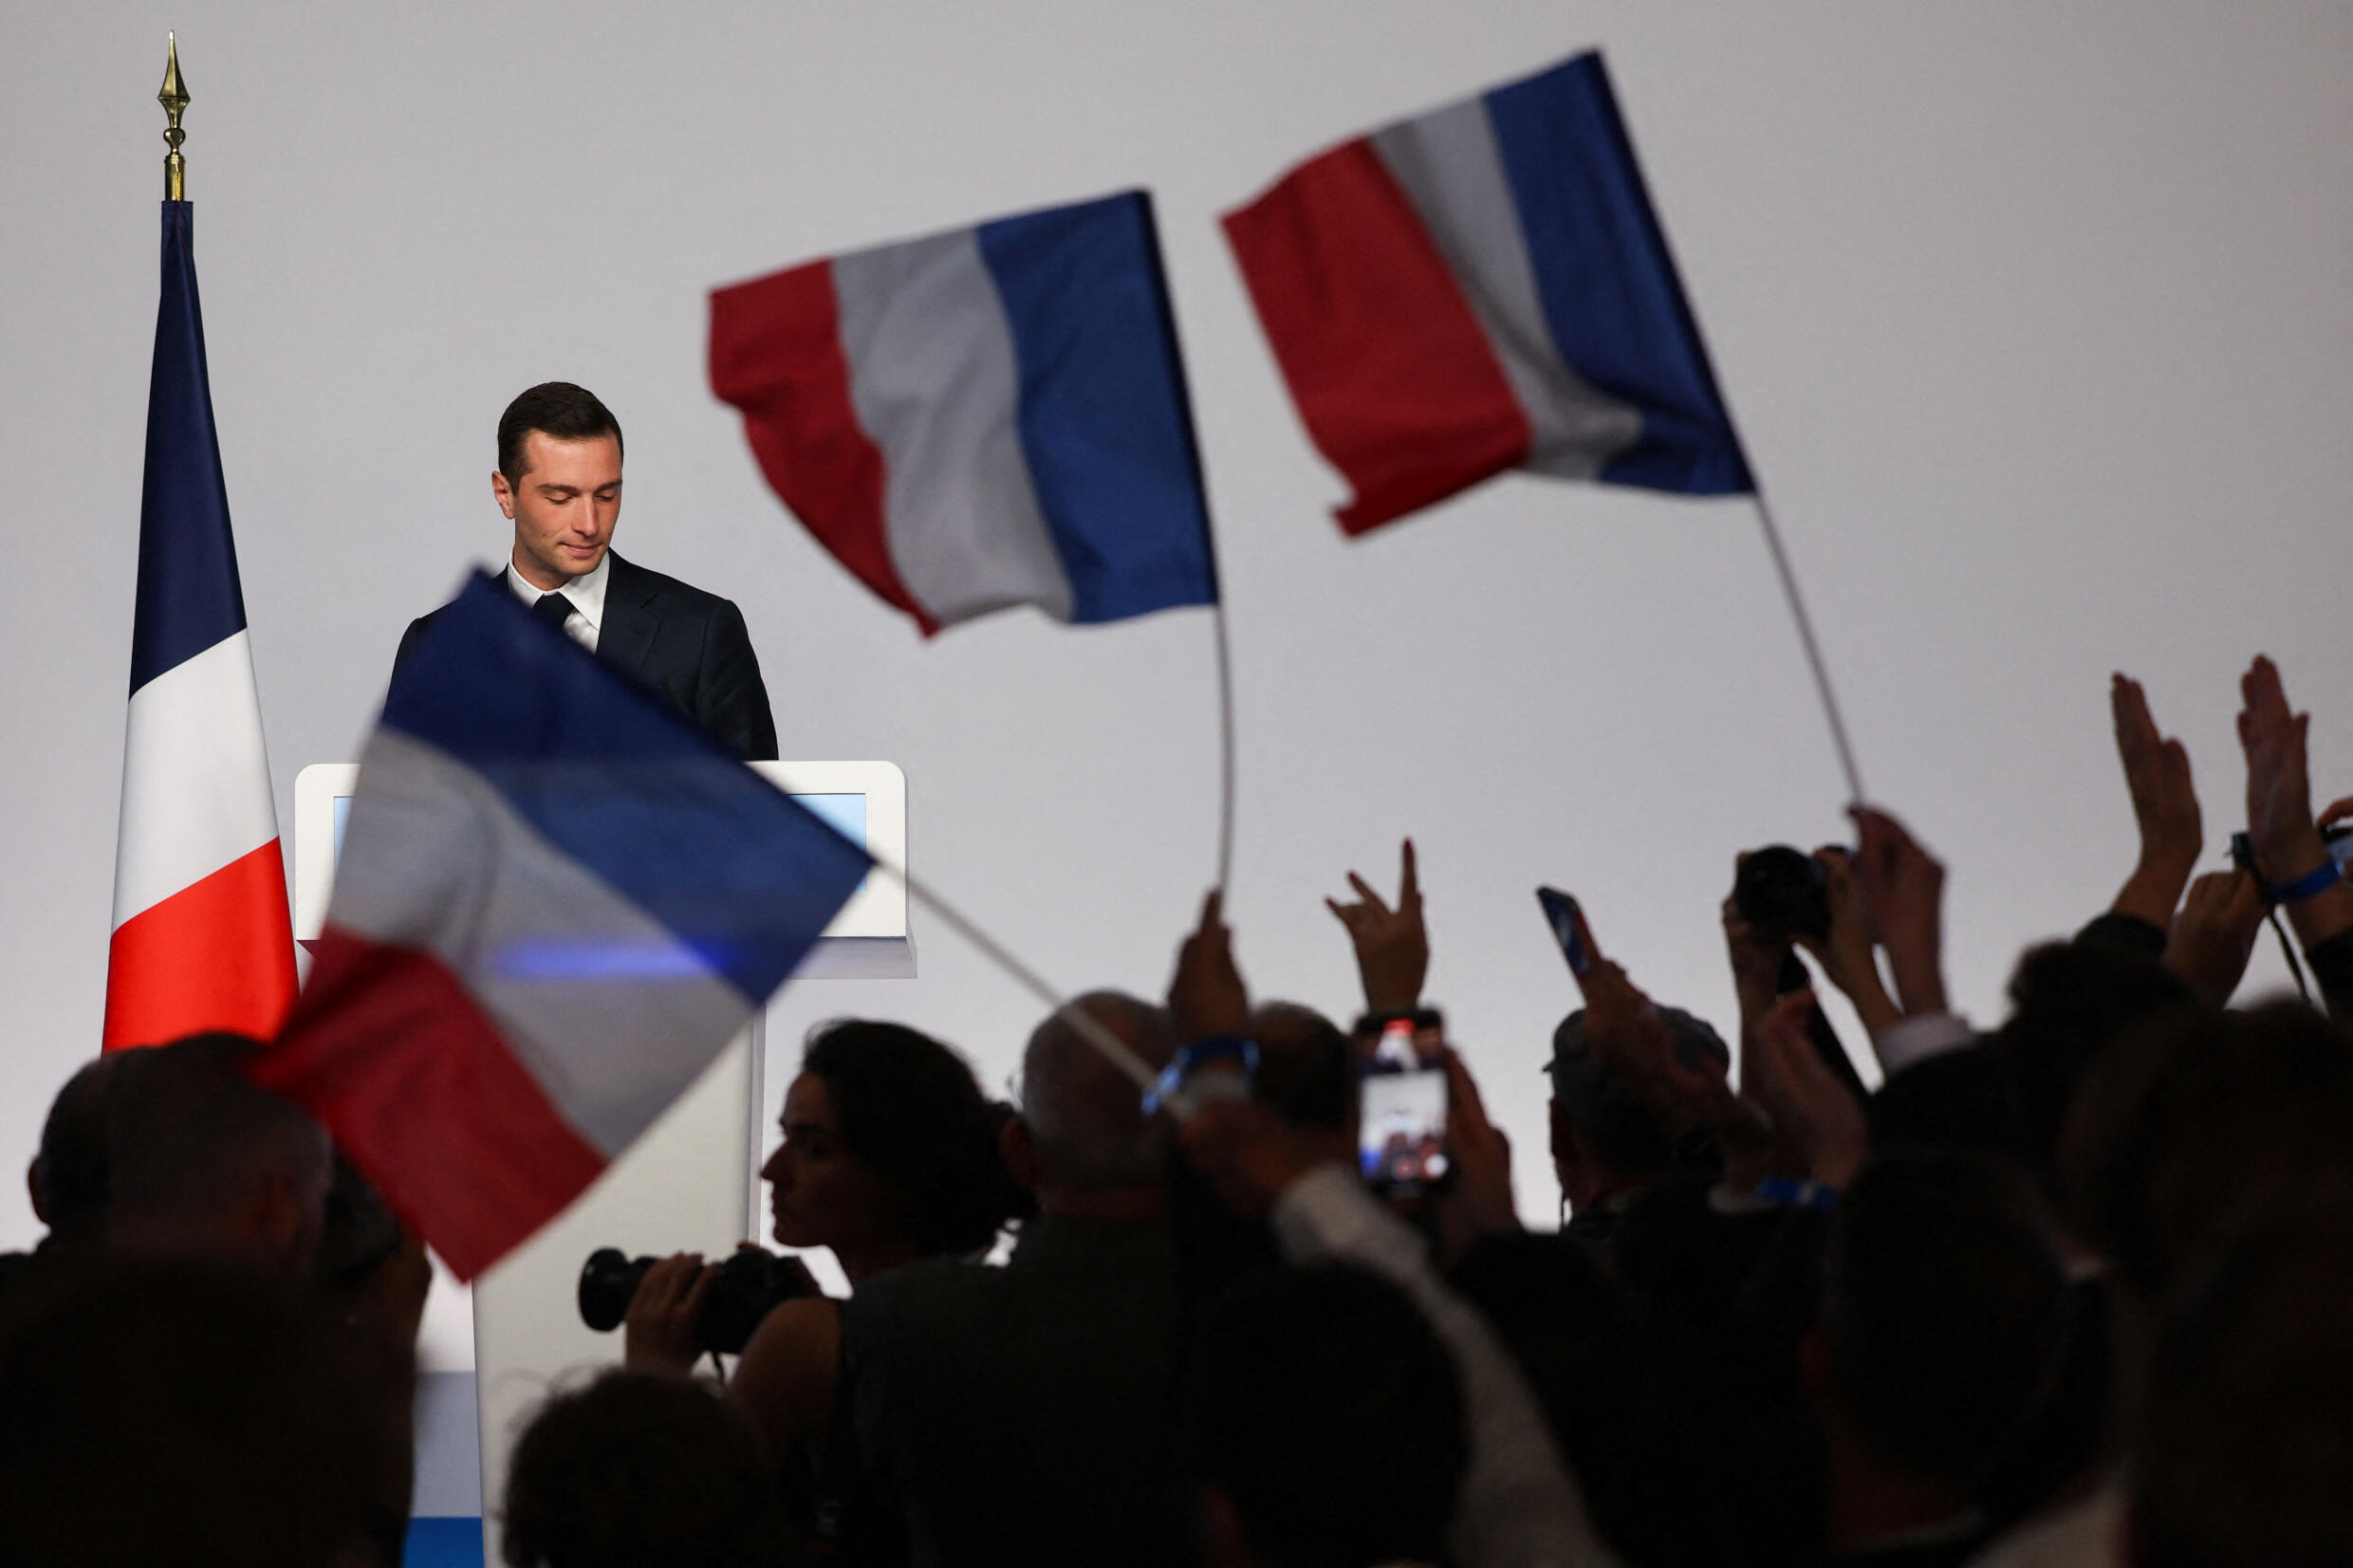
(992, 417)
(1486, 288)
(555, 904)
(201, 940)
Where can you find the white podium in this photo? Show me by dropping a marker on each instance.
(690, 1183)
(865, 801)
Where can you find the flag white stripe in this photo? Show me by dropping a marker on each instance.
(1453, 172)
(603, 1006)
(936, 384)
(196, 779)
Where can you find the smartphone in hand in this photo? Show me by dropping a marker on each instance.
(1570, 930)
(1401, 1147)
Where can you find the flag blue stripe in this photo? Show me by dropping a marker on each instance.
(1106, 423)
(744, 875)
(443, 1541)
(188, 597)
(1608, 285)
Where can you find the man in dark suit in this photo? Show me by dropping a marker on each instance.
(558, 482)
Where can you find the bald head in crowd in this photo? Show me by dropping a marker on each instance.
(1085, 1119)
(201, 1162)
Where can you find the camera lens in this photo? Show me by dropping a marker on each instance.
(608, 1282)
(1782, 892)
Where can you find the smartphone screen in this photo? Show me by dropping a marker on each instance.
(1401, 1122)
(1569, 929)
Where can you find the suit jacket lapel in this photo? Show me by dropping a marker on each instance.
(626, 639)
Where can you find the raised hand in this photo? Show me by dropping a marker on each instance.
(2279, 793)
(1756, 963)
(2214, 934)
(1206, 995)
(2165, 802)
(1391, 945)
(1903, 888)
(2279, 802)
(1809, 1107)
(1847, 956)
(1479, 1201)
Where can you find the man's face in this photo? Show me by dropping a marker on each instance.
(564, 507)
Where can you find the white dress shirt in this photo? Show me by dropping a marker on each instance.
(586, 593)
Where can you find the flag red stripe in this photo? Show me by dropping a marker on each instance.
(217, 954)
(776, 355)
(392, 1053)
(1394, 377)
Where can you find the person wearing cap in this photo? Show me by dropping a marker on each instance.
(1607, 1146)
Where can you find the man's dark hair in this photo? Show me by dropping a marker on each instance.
(1307, 1069)
(559, 409)
(911, 1111)
(166, 1412)
(69, 1178)
(2242, 1455)
(2068, 1001)
(188, 1132)
(1322, 1405)
(2176, 1135)
(1943, 1307)
(637, 1468)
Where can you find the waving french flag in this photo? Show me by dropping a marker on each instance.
(1481, 288)
(556, 903)
(990, 416)
(202, 939)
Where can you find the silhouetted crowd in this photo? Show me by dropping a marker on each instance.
(2071, 1289)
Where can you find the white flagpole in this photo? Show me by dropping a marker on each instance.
(1813, 649)
(1113, 1048)
(1225, 730)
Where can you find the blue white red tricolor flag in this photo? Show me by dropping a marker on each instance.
(201, 935)
(555, 904)
(992, 417)
(1481, 288)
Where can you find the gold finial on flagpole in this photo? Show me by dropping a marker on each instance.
(174, 99)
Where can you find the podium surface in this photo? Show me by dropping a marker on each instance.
(865, 801)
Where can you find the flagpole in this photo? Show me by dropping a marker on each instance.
(1813, 649)
(174, 97)
(1224, 735)
(1114, 1050)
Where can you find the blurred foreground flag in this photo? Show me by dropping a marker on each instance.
(201, 935)
(986, 418)
(1485, 287)
(555, 903)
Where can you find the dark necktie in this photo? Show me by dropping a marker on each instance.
(554, 609)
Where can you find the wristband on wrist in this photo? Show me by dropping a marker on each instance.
(2319, 880)
(1239, 1050)
(1785, 1193)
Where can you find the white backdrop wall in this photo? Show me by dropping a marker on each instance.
(2035, 318)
